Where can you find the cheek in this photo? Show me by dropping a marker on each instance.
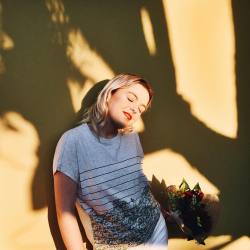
(113, 107)
(119, 103)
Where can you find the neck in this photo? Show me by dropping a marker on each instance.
(108, 131)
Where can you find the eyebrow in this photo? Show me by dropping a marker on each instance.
(137, 99)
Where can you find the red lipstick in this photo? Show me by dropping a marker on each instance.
(127, 115)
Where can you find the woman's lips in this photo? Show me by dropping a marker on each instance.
(127, 115)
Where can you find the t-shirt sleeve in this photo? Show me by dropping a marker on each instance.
(65, 157)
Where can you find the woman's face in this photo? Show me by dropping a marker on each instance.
(127, 104)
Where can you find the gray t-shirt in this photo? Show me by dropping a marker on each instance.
(112, 188)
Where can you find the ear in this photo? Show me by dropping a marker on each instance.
(109, 96)
(113, 91)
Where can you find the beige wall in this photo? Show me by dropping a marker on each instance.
(194, 53)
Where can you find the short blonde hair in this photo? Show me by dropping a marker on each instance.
(97, 113)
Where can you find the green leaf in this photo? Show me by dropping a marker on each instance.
(194, 201)
(199, 221)
(155, 186)
(184, 186)
(155, 181)
(163, 185)
(159, 192)
(197, 187)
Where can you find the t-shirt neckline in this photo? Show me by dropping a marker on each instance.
(103, 139)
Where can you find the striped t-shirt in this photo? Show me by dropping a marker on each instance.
(114, 201)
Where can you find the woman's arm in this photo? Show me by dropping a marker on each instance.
(65, 196)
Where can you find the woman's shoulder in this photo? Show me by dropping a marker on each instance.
(75, 132)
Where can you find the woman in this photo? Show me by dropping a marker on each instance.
(97, 168)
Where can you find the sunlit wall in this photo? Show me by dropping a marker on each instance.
(50, 58)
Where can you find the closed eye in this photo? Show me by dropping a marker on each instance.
(131, 98)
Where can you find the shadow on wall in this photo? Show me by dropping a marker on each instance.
(35, 85)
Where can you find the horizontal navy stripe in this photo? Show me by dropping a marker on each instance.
(110, 171)
(113, 186)
(112, 179)
(115, 193)
(98, 205)
(118, 199)
(110, 164)
(147, 232)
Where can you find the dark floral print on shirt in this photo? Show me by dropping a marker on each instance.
(127, 224)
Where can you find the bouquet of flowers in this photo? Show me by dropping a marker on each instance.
(194, 212)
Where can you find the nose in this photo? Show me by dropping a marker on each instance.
(133, 110)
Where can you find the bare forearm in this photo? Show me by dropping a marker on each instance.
(70, 231)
